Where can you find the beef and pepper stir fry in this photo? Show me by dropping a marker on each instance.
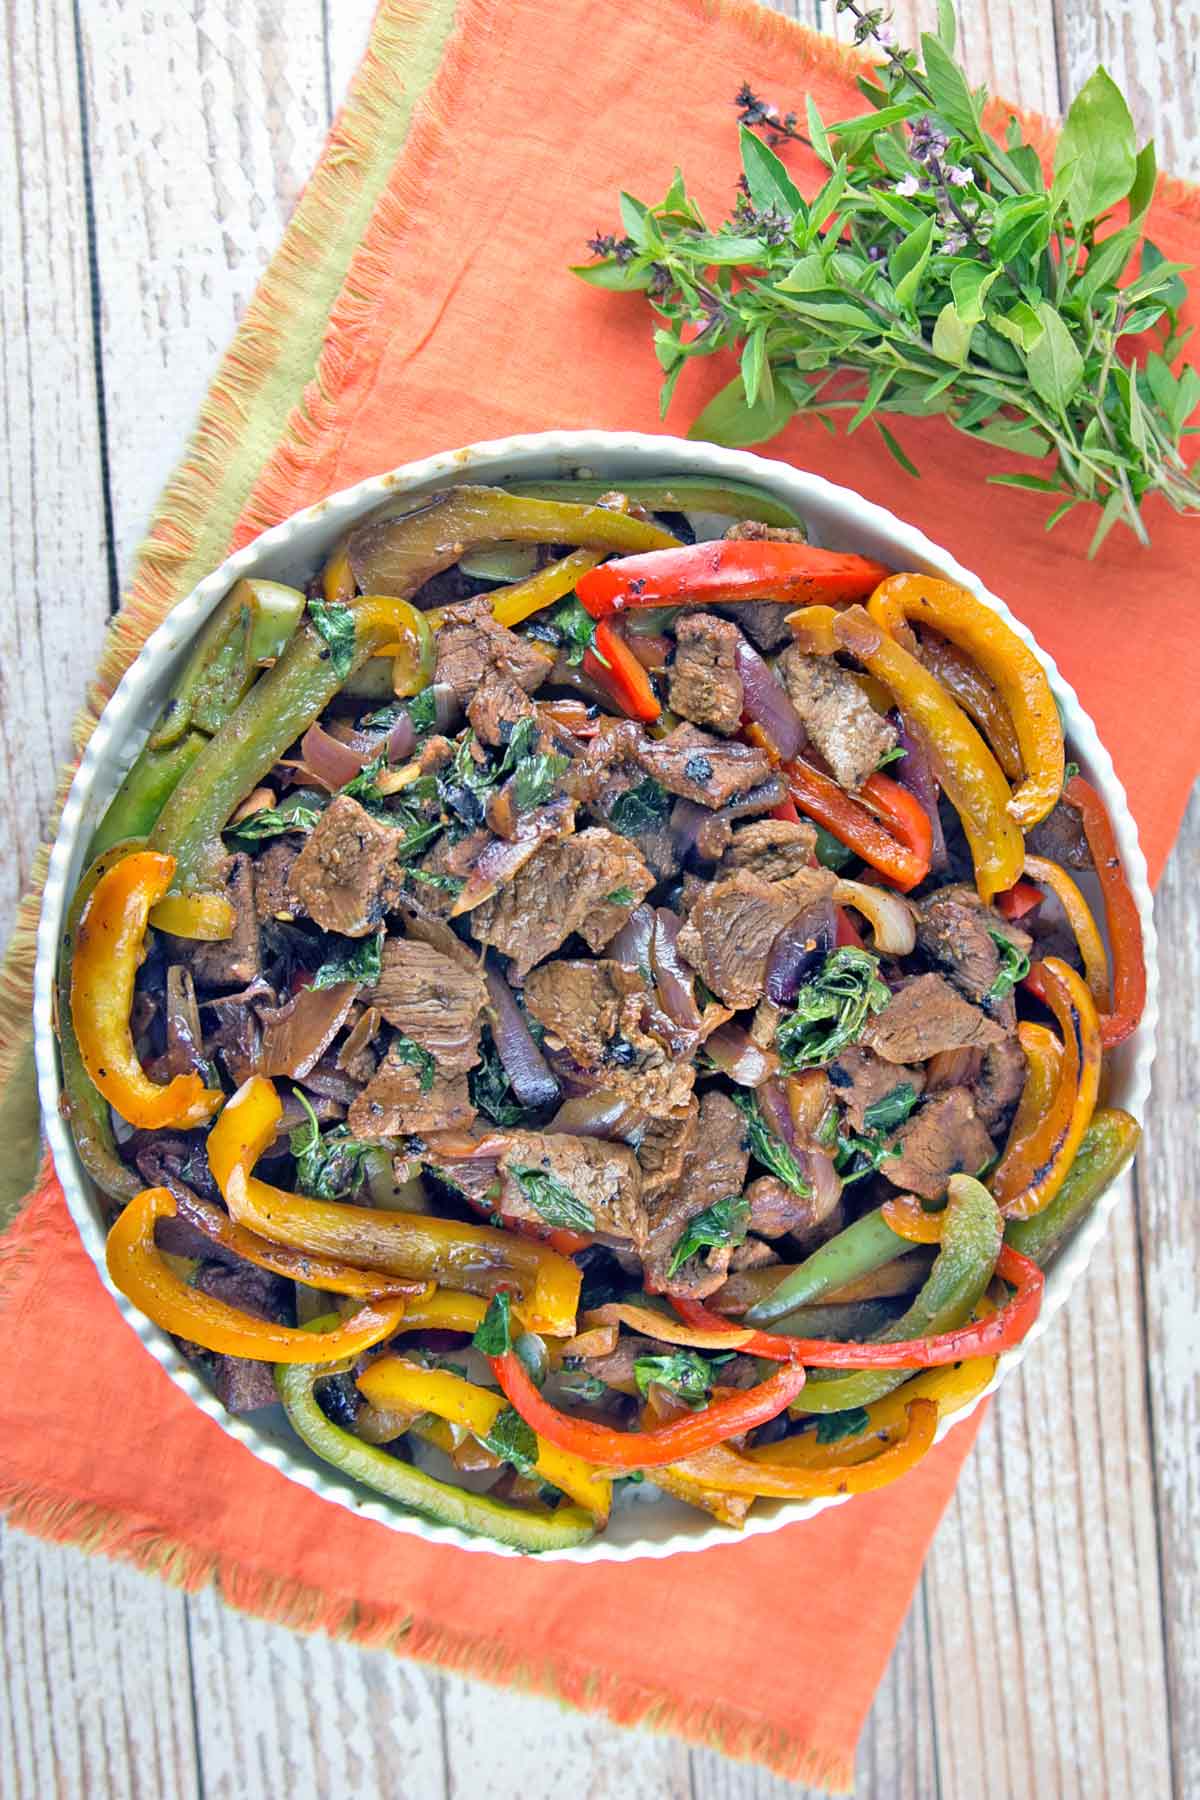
(597, 990)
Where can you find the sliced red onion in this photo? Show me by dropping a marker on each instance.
(676, 984)
(503, 858)
(185, 1040)
(600, 1115)
(328, 760)
(735, 1054)
(401, 739)
(760, 799)
(815, 1165)
(446, 708)
(803, 943)
(773, 1105)
(913, 771)
(889, 915)
(631, 946)
(687, 819)
(524, 1064)
(765, 702)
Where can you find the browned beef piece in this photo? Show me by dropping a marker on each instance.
(691, 763)
(433, 999)
(753, 1254)
(859, 1078)
(944, 1137)
(999, 1085)
(476, 1177)
(604, 1177)
(232, 1031)
(705, 686)
(271, 871)
(616, 1370)
(955, 928)
(668, 1138)
(730, 930)
(440, 936)
(346, 877)
(296, 1035)
(394, 1104)
(925, 1015)
(840, 720)
(470, 642)
(1060, 838)
(775, 1209)
(236, 960)
(242, 1383)
(564, 887)
(496, 706)
(714, 1167)
(772, 849)
(455, 859)
(764, 622)
(753, 531)
(595, 1010)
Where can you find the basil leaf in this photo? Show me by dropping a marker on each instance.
(493, 1334)
(552, 1200)
(724, 1222)
(403, 1049)
(831, 1010)
(769, 1150)
(891, 1109)
(577, 629)
(640, 808)
(491, 1089)
(1014, 967)
(300, 811)
(833, 1427)
(684, 1373)
(1054, 363)
(536, 778)
(767, 179)
(1097, 138)
(329, 1165)
(513, 1441)
(728, 419)
(335, 623)
(360, 960)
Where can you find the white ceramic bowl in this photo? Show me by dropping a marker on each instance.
(836, 518)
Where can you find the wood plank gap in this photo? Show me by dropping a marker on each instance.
(327, 58)
(197, 1746)
(93, 261)
(922, 1601)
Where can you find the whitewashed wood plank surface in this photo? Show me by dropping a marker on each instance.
(1033, 1661)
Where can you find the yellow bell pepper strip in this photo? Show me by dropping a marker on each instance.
(413, 652)
(684, 493)
(1072, 1005)
(276, 712)
(961, 761)
(726, 1509)
(337, 577)
(513, 605)
(650, 1322)
(770, 1473)
(1120, 912)
(297, 1265)
(143, 1275)
(681, 1437)
(393, 1382)
(812, 628)
(249, 629)
(966, 682)
(108, 949)
(1079, 918)
(1043, 1112)
(1010, 665)
(530, 1529)
(712, 574)
(206, 918)
(1108, 1144)
(414, 1246)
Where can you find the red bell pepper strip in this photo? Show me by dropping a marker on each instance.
(1018, 900)
(654, 1449)
(786, 810)
(986, 1337)
(851, 823)
(612, 665)
(848, 935)
(711, 573)
(1120, 912)
(903, 812)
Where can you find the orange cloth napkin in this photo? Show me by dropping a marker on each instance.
(456, 320)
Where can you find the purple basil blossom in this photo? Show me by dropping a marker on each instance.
(908, 185)
(925, 140)
(954, 242)
(959, 175)
(877, 253)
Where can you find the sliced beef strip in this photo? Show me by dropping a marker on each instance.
(667, 1141)
(296, 1035)
(705, 686)
(730, 930)
(955, 928)
(242, 1383)
(393, 1104)
(944, 1137)
(564, 887)
(691, 763)
(598, 1012)
(999, 1085)
(753, 1254)
(753, 531)
(272, 869)
(772, 849)
(470, 642)
(433, 999)
(345, 877)
(1060, 837)
(496, 706)
(775, 1209)
(604, 1177)
(859, 1079)
(764, 622)
(840, 720)
(925, 1015)
(714, 1167)
(235, 960)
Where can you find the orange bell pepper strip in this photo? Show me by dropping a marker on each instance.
(139, 1269)
(1072, 1005)
(710, 574)
(395, 1385)
(512, 605)
(1043, 1112)
(961, 761)
(296, 1265)
(1120, 912)
(414, 1246)
(612, 665)
(108, 949)
(967, 683)
(1010, 665)
(848, 819)
(669, 1443)
(1079, 918)
(769, 1472)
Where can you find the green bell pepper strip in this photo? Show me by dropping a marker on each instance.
(971, 1240)
(688, 493)
(84, 1107)
(859, 1250)
(250, 627)
(279, 708)
(413, 1488)
(1108, 1144)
